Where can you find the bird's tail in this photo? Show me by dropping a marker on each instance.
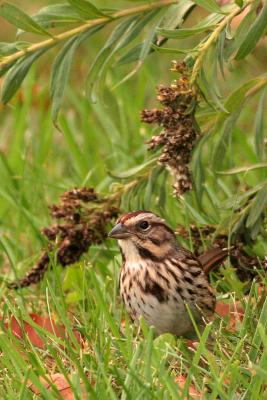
(213, 257)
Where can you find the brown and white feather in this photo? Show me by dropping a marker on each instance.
(158, 277)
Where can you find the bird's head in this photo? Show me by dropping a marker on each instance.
(143, 234)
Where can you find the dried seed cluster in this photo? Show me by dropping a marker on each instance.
(244, 264)
(82, 220)
(180, 130)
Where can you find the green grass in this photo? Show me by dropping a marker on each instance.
(97, 142)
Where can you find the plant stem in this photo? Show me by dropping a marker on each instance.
(257, 87)
(213, 37)
(82, 28)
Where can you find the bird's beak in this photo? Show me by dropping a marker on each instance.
(119, 232)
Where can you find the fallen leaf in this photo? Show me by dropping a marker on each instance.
(45, 322)
(235, 312)
(192, 344)
(192, 391)
(61, 383)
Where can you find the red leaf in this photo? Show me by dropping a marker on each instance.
(61, 384)
(234, 311)
(193, 393)
(191, 344)
(34, 337)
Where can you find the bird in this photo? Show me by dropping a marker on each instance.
(159, 279)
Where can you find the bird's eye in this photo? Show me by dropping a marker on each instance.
(144, 225)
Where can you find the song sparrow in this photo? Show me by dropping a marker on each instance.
(159, 277)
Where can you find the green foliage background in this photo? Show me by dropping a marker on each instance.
(107, 77)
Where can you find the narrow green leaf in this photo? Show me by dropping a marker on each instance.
(104, 53)
(257, 341)
(209, 5)
(210, 91)
(18, 18)
(220, 51)
(5, 68)
(131, 55)
(205, 24)
(61, 69)
(9, 48)
(253, 35)
(259, 127)
(182, 33)
(238, 170)
(56, 15)
(235, 100)
(197, 167)
(173, 18)
(239, 35)
(16, 75)
(258, 205)
(221, 145)
(60, 74)
(195, 213)
(21, 367)
(86, 9)
(176, 14)
(128, 31)
(172, 51)
(151, 34)
(144, 50)
(135, 171)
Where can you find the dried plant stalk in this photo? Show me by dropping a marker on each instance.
(82, 220)
(180, 130)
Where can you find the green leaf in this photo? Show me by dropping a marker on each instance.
(16, 75)
(209, 5)
(131, 55)
(210, 90)
(6, 67)
(172, 51)
(195, 213)
(146, 46)
(182, 33)
(176, 14)
(134, 53)
(60, 74)
(173, 18)
(259, 127)
(135, 171)
(18, 18)
(56, 15)
(150, 34)
(258, 205)
(61, 69)
(123, 34)
(197, 167)
(205, 24)
(238, 170)
(220, 51)
(221, 145)
(236, 99)
(239, 35)
(253, 35)
(9, 48)
(86, 9)
(103, 56)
